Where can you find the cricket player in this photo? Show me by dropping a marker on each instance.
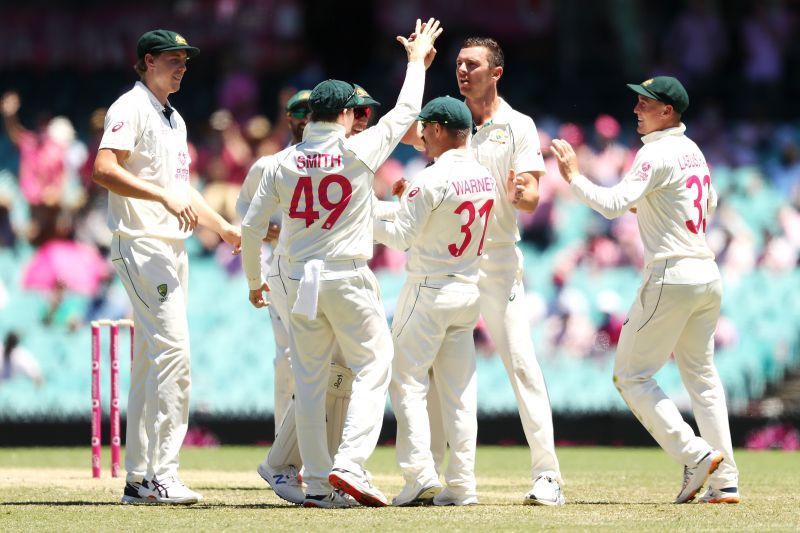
(143, 161)
(323, 188)
(297, 114)
(678, 304)
(282, 464)
(362, 113)
(506, 142)
(442, 222)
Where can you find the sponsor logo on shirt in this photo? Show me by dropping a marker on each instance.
(116, 127)
(643, 172)
(413, 192)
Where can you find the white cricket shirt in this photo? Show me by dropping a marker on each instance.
(323, 187)
(443, 218)
(508, 141)
(159, 154)
(670, 186)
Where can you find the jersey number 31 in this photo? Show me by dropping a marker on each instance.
(469, 207)
(694, 181)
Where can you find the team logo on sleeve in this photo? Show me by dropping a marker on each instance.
(162, 291)
(116, 127)
(644, 171)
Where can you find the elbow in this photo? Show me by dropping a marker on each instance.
(99, 175)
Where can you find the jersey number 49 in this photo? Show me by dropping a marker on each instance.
(305, 189)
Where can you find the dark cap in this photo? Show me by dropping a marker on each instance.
(447, 111)
(163, 41)
(664, 89)
(297, 106)
(331, 96)
(368, 100)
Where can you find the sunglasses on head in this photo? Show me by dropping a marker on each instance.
(362, 112)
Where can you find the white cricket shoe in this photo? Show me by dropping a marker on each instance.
(131, 493)
(726, 495)
(284, 482)
(337, 499)
(169, 490)
(358, 486)
(446, 497)
(415, 494)
(694, 477)
(546, 491)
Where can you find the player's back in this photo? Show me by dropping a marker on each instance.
(462, 193)
(325, 193)
(672, 218)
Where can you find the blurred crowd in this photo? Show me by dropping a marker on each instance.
(737, 62)
(756, 168)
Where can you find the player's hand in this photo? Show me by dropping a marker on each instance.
(257, 298)
(9, 104)
(566, 158)
(399, 187)
(233, 236)
(273, 231)
(181, 208)
(515, 187)
(420, 43)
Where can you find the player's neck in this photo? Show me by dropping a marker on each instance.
(484, 107)
(160, 94)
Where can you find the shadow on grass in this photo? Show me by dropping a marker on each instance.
(198, 507)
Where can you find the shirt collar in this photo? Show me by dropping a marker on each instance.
(678, 130)
(317, 130)
(455, 154)
(499, 116)
(153, 100)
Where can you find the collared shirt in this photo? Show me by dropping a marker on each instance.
(670, 186)
(159, 154)
(508, 141)
(443, 217)
(323, 187)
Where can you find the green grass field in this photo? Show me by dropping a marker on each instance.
(607, 488)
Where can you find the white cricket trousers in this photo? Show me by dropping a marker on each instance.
(433, 329)
(502, 302)
(679, 319)
(350, 315)
(155, 273)
(278, 309)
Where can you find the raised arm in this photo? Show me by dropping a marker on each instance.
(10, 105)
(374, 145)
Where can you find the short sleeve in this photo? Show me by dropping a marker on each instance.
(121, 128)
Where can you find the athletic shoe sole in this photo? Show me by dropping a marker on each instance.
(363, 498)
(726, 499)
(547, 503)
(424, 497)
(133, 500)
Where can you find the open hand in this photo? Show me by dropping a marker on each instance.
(566, 158)
(419, 45)
(182, 209)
